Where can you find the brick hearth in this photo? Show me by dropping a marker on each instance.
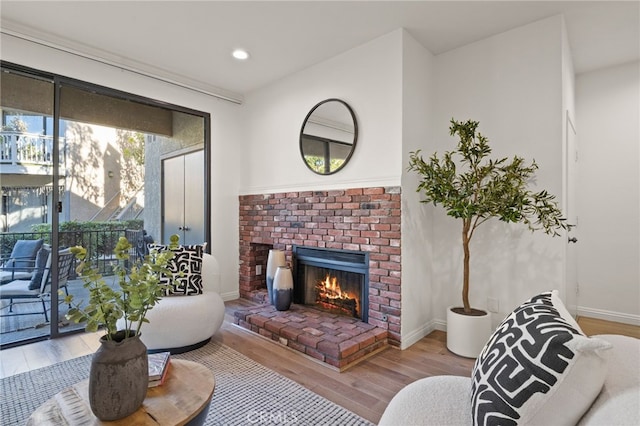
(358, 219)
(336, 340)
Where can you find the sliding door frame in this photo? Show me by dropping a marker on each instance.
(59, 82)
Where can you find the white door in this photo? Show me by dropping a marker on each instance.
(183, 198)
(571, 170)
(194, 198)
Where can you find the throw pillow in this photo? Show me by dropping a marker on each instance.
(538, 368)
(186, 267)
(42, 260)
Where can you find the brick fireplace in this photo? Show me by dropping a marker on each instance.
(358, 219)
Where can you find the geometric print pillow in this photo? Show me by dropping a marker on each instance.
(538, 368)
(186, 267)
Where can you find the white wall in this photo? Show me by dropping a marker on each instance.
(417, 233)
(512, 84)
(368, 78)
(388, 84)
(608, 121)
(226, 135)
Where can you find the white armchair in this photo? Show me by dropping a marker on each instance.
(446, 400)
(183, 323)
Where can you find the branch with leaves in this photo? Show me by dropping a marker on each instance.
(475, 189)
(139, 289)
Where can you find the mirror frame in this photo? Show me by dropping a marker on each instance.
(355, 135)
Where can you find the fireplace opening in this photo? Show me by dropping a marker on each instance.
(335, 281)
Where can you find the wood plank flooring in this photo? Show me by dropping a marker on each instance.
(365, 388)
(592, 326)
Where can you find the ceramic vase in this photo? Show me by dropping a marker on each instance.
(276, 258)
(283, 288)
(119, 377)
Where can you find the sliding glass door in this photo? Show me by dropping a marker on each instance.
(107, 183)
(28, 162)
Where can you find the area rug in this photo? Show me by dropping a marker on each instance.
(246, 392)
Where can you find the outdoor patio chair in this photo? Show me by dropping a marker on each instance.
(39, 286)
(21, 262)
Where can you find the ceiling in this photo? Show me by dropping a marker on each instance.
(190, 41)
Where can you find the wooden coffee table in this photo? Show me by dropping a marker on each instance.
(183, 399)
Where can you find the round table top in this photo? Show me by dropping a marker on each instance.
(187, 390)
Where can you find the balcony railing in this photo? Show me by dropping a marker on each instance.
(99, 244)
(18, 148)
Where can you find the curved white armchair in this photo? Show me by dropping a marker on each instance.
(446, 400)
(183, 323)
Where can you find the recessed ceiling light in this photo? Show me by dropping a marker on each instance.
(240, 54)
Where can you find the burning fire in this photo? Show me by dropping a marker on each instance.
(330, 297)
(330, 289)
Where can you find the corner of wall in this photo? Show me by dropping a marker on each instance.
(417, 107)
(515, 90)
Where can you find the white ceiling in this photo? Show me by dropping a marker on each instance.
(191, 41)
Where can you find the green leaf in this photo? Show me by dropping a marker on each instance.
(138, 289)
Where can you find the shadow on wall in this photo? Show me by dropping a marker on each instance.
(418, 259)
(508, 263)
(447, 263)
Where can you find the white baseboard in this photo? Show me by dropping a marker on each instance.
(624, 318)
(418, 334)
(231, 295)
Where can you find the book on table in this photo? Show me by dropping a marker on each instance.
(160, 381)
(158, 366)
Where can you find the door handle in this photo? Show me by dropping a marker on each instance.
(573, 240)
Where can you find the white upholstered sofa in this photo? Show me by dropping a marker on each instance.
(182, 323)
(447, 400)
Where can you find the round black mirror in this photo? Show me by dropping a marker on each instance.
(328, 136)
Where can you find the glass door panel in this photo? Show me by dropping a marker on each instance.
(27, 164)
(107, 141)
(115, 148)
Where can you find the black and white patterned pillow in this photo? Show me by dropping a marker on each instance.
(186, 267)
(538, 368)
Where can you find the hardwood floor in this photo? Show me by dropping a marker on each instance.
(365, 388)
(592, 326)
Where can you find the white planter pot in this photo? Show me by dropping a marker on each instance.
(467, 334)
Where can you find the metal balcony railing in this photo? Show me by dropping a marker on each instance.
(18, 148)
(99, 244)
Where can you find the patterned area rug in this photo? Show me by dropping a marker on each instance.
(246, 392)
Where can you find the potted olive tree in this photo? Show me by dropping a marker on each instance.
(474, 189)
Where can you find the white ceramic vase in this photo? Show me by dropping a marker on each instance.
(467, 334)
(276, 258)
(283, 288)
